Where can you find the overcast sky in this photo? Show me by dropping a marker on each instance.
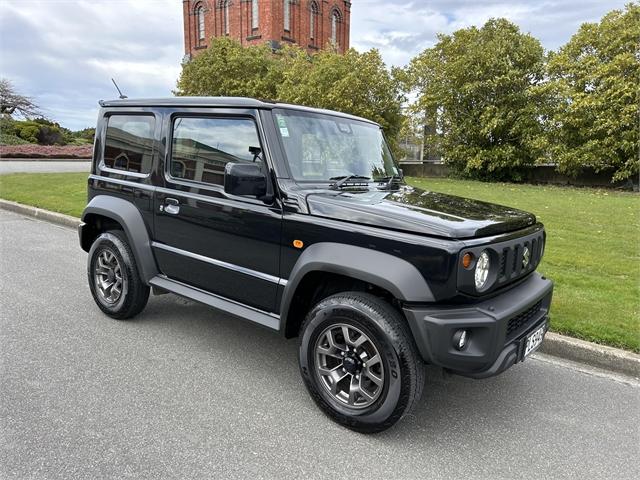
(64, 52)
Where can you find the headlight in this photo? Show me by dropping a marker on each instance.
(482, 270)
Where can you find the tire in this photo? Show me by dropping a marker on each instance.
(377, 392)
(111, 252)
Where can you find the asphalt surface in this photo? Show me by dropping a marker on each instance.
(185, 392)
(49, 166)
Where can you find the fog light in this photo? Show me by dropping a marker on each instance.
(460, 339)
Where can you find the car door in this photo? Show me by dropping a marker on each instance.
(224, 244)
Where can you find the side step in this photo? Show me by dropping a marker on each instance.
(269, 320)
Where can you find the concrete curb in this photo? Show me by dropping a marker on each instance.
(600, 356)
(593, 354)
(49, 216)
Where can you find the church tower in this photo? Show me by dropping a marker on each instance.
(312, 24)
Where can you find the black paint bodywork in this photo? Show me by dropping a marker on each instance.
(240, 248)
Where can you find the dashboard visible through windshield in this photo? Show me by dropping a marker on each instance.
(322, 147)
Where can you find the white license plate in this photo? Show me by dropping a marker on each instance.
(534, 340)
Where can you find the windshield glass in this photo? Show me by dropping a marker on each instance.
(323, 147)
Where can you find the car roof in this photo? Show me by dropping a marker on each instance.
(230, 102)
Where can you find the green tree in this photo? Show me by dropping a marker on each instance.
(595, 81)
(355, 83)
(227, 68)
(480, 88)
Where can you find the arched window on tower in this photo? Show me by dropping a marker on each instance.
(200, 20)
(255, 14)
(314, 13)
(287, 15)
(336, 22)
(224, 5)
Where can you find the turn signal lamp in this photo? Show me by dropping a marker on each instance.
(467, 258)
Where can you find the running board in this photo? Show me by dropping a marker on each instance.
(269, 320)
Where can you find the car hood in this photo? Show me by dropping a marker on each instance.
(419, 211)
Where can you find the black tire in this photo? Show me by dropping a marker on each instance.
(388, 333)
(134, 293)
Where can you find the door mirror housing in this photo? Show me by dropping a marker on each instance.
(246, 179)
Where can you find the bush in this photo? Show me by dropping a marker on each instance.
(9, 139)
(28, 131)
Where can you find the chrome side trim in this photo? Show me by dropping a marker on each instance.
(119, 181)
(103, 168)
(220, 263)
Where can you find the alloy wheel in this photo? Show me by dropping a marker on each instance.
(108, 277)
(349, 365)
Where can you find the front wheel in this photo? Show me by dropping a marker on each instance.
(359, 361)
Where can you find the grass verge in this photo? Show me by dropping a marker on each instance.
(59, 192)
(592, 254)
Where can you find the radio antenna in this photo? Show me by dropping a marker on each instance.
(122, 97)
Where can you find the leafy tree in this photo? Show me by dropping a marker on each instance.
(227, 68)
(13, 103)
(479, 87)
(595, 80)
(355, 83)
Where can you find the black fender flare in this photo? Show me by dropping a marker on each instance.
(396, 275)
(127, 215)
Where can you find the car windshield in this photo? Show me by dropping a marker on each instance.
(323, 147)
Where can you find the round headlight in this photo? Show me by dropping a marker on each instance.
(482, 270)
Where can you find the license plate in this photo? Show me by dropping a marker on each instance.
(534, 340)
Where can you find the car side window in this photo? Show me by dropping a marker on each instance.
(128, 144)
(201, 147)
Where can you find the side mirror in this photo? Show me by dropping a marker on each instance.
(245, 179)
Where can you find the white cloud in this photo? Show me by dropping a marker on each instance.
(64, 52)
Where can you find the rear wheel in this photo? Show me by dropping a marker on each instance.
(359, 361)
(113, 276)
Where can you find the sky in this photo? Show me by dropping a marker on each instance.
(63, 53)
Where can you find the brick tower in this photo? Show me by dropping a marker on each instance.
(312, 24)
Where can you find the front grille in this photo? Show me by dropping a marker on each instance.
(511, 258)
(522, 320)
(503, 263)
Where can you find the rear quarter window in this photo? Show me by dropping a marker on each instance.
(128, 144)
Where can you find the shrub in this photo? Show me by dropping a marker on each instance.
(9, 139)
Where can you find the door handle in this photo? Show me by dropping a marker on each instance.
(171, 206)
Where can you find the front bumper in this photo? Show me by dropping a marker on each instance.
(496, 329)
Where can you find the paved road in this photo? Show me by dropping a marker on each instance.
(184, 392)
(43, 167)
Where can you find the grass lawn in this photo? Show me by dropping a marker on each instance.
(60, 192)
(592, 253)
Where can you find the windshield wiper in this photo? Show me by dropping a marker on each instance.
(389, 180)
(341, 180)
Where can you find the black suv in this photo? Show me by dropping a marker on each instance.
(299, 220)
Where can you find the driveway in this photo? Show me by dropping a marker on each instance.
(49, 166)
(185, 392)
